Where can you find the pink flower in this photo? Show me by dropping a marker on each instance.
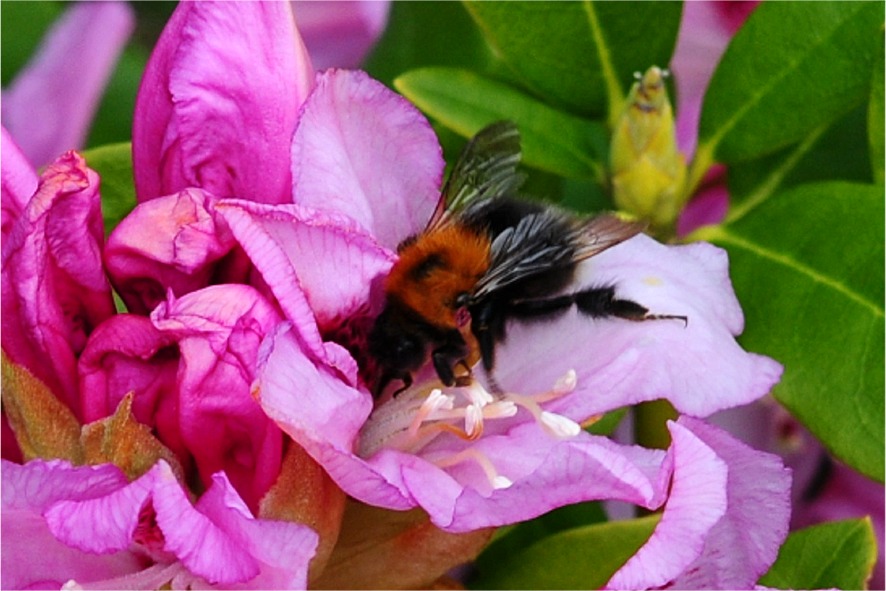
(519, 455)
(50, 104)
(90, 526)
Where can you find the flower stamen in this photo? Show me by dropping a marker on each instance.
(495, 479)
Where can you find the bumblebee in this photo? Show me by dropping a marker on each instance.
(488, 256)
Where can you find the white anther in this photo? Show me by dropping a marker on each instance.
(559, 426)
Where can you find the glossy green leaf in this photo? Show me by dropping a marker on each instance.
(793, 67)
(421, 34)
(876, 131)
(464, 101)
(113, 163)
(580, 55)
(832, 153)
(577, 558)
(807, 267)
(835, 555)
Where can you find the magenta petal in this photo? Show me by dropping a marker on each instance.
(724, 495)
(19, 182)
(171, 242)
(362, 150)
(31, 556)
(698, 367)
(334, 260)
(50, 104)
(54, 288)
(339, 34)
(270, 236)
(127, 354)
(219, 100)
(284, 549)
(219, 330)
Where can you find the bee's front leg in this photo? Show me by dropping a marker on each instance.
(447, 356)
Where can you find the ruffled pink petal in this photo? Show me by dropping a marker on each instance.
(698, 366)
(219, 100)
(334, 261)
(219, 330)
(724, 522)
(49, 106)
(362, 150)
(171, 242)
(31, 556)
(126, 353)
(54, 288)
(272, 238)
(18, 181)
(340, 34)
(283, 549)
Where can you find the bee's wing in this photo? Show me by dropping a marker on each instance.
(545, 241)
(486, 168)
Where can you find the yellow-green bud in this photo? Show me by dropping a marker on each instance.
(648, 172)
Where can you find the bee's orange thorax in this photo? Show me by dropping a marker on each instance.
(435, 269)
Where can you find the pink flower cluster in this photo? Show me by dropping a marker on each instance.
(270, 202)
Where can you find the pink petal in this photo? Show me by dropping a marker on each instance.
(171, 242)
(333, 259)
(362, 150)
(271, 237)
(219, 330)
(697, 367)
(127, 354)
(19, 182)
(54, 289)
(724, 522)
(340, 33)
(219, 100)
(284, 549)
(708, 205)
(50, 104)
(31, 556)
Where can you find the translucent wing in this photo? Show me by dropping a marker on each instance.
(486, 168)
(547, 240)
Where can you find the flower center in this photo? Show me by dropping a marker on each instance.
(424, 413)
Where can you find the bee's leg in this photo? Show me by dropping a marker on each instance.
(451, 352)
(487, 325)
(600, 302)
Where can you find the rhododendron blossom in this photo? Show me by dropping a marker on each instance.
(271, 200)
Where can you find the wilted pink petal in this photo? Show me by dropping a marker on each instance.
(168, 243)
(219, 330)
(302, 274)
(126, 353)
(340, 33)
(54, 288)
(364, 151)
(19, 182)
(51, 102)
(219, 101)
(725, 519)
(102, 530)
(37, 559)
(698, 366)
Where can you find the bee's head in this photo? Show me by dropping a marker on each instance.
(395, 345)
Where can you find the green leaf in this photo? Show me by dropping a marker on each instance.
(113, 163)
(580, 55)
(577, 558)
(835, 555)
(113, 119)
(23, 26)
(833, 153)
(793, 67)
(422, 34)
(808, 270)
(876, 130)
(464, 101)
